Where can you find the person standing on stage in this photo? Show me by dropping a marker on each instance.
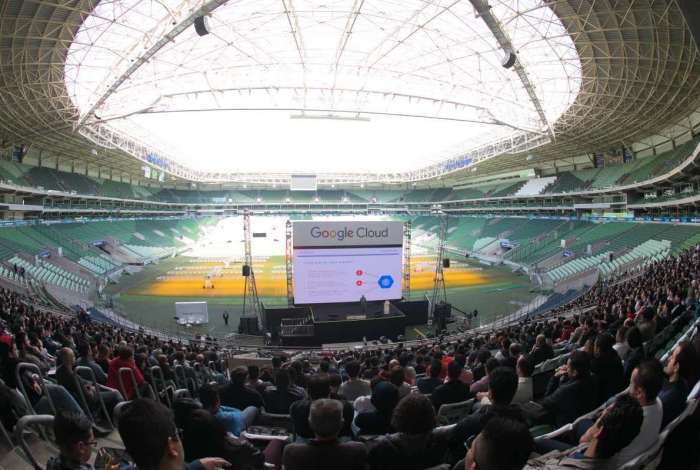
(225, 316)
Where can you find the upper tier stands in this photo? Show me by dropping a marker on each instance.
(564, 182)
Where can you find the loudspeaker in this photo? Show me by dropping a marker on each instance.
(245, 270)
(446, 262)
(611, 257)
(509, 59)
(443, 310)
(201, 25)
(248, 326)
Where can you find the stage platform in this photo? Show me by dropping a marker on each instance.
(351, 311)
(314, 325)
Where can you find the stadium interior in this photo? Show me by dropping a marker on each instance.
(189, 190)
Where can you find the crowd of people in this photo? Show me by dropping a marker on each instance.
(373, 408)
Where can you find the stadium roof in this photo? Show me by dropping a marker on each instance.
(618, 72)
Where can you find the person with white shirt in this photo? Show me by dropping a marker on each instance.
(645, 384)
(524, 392)
(621, 345)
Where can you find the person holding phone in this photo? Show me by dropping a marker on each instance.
(75, 442)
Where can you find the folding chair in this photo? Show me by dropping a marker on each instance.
(33, 368)
(88, 374)
(118, 410)
(453, 412)
(21, 431)
(156, 379)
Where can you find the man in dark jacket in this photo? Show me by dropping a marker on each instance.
(571, 392)
(325, 451)
(236, 394)
(150, 437)
(427, 385)
(417, 444)
(452, 391)
(541, 351)
(502, 386)
(606, 366)
(279, 398)
(73, 433)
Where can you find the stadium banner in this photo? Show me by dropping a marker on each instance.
(318, 234)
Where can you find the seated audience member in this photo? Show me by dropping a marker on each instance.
(466, 376)
(646, 322)
(325, 451)
(85, 360)
(427, 385)
(503, 444)
(635, 353)
(102, 359)
(621, 347)
(354, 387)
(416, 444)
(502, 388)
(335, 381)
(124, 359)
(319, 388)
(67, 378)
(236, 394)
(571, 392)
(524, 370)
(254, 381)
(482, 384)
(452, 391)
(280, 397)
(479, 370)
(645, 385)
(541, 351)
(384, 399)
(680, 371)
(148, 431)
(75, 440)
(205, 436)
(613, 431)
(606, 367)
(233, 420)
(61, 398)
(511, 359)
(397, 377)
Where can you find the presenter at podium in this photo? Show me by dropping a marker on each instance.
(363, 304)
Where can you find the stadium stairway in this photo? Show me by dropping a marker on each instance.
(535, 186)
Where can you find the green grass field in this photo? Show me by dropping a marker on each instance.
(494, 291)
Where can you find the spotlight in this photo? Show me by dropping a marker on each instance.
(201, 25)
(509, 59)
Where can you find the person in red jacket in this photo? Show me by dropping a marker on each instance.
(125, 358)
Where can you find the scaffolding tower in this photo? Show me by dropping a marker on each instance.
(288, 252)
(439, 291)
(251, 302)
(406, 287)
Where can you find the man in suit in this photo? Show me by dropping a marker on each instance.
(325, 451)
